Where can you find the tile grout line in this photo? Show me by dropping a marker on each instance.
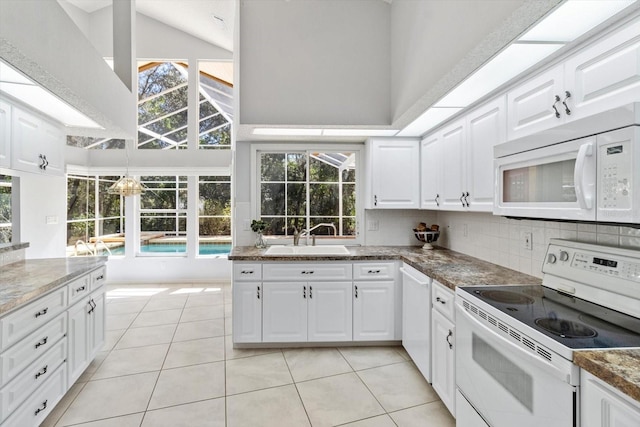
(295, 384)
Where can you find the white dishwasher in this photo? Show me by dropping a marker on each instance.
(416, 318)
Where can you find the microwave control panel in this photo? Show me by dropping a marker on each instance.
(615, 175)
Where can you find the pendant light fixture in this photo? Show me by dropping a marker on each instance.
(127, 185)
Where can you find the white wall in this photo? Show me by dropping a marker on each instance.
(43, 196)
(500, 240)
(394, 227)
(314, 62)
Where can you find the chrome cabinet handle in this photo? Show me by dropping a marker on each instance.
(42, 407)
(42, 371)
(42, 312)
(373, 272)
(100, 277)
(461, 199)
(567, 95)
(81, 288)
(310, 291)
(375, 200)
(43, 162)
(554, 107)
(436, 200)
(307, 271)
(246, 272)
(93, 306)
(258, 292)
(43, 341)
(448, 336)
(356, 291)
(304, 292)
(440, 300)
(466, 201)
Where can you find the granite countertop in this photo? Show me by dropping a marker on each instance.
(448, 267)
(9, 247)
(618, 368)
(23, 281)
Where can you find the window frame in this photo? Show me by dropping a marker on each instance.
(356, 149)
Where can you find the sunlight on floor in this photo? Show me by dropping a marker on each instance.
(133, 292)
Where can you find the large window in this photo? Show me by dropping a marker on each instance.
(95, 219)
(214, 214)
(302, 189)
(5, 209)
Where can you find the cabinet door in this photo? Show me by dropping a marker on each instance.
(452, 141)
(373, 311)
(330, 311)
(5, 134)
(430, 172)
(284, 312)
(394, 174)
(53, 148)
(603, 406)
(606, 74)
(247, 312)
(443, 360)
(78, 338)
(530, 105)
(486, 127)
(33, 139)
(96, 318)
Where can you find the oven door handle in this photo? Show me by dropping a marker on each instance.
(501, 342)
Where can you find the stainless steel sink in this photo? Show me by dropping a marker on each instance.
(307, 250)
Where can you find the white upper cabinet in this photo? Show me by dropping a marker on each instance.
(602, 76)
(457, 161)
(37, 146)
(430, 172)
(5, 134)
(393, 173)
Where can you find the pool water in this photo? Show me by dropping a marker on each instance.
(205, 249)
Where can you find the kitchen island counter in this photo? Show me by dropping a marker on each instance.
(24, 281)
(446, 266)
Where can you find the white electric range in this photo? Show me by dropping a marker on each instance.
(515, 344)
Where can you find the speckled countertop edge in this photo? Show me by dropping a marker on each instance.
(618, 368)
(24, 281)
(9, 247)
(448, 267)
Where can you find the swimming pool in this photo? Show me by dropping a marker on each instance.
(204, 249)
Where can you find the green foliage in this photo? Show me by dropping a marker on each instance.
(258, 225)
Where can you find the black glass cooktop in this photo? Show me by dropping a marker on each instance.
(571, 321)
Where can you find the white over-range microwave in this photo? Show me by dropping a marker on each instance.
(595, 178)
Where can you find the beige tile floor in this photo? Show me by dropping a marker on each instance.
(168, 361)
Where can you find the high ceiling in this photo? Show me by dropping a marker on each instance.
(209, 20)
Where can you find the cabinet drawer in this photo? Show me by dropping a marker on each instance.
(98, 278)
(32, 316)
(33, 412)
(29, 380)
(30, 348)
(307, 272)
(79, 288)
(443, 300)
(247, 271)
(373, 271)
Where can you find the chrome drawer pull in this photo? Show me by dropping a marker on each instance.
(246, 272)
(80, 289)
(440, 300)
(373, 272)
(43, 341)
(42, 371)
(42, 408)
(100, 277)
(42, 312)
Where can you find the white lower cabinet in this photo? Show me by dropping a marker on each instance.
(312, 311)
(314, 302)
(603, 406)
(373, 310)
(46, 345)
(443, 351)
(247, 312)
(86, 332)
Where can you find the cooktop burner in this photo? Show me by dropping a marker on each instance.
(570, 321)
(506, 297)
(565, 328)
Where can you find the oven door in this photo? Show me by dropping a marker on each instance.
(506, 384)
(558, 182)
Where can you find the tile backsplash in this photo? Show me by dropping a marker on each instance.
(501, 240)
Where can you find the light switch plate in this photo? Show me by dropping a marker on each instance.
(52, 219)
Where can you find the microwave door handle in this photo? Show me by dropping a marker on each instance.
(499, 341)
(585, 200)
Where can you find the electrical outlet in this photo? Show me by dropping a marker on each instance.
(527, 243)
(246, 225)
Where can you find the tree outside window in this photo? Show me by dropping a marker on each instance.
(299, 190)
(5, 209)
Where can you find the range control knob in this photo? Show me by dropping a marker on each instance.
(564, 255)
(551, 259)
